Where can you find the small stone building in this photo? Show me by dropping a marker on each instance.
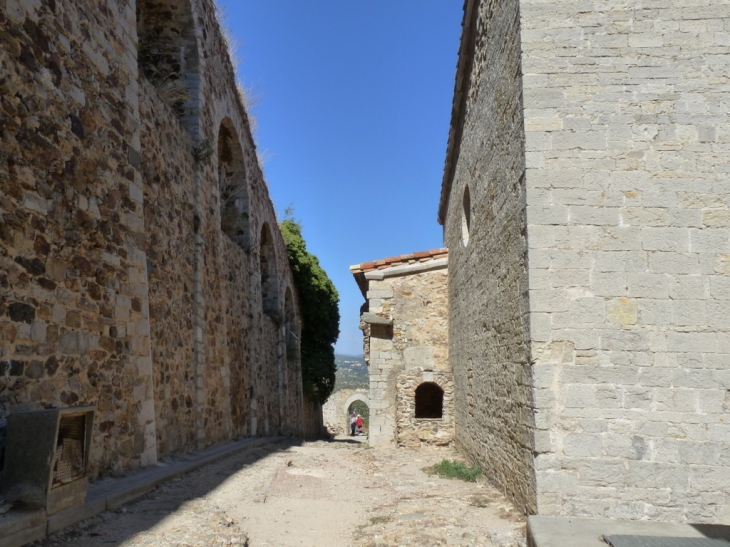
(404, 321)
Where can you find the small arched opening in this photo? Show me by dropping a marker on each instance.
(269, 275)
(466, 217)
(233, 186)
(167, 53)
(429, 401)
(361, 408)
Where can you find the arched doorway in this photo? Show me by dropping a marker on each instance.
(359, 404)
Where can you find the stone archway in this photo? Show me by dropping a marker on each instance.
(358, 397)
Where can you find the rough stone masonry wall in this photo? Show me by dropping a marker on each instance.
(416, 341)
(74, 326)
(488, 309)
(414, 432)
(243, 381)
(117, 286)
(628, 153)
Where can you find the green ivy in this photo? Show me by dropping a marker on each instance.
(319, 303)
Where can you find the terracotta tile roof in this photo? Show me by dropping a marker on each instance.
(389, 262)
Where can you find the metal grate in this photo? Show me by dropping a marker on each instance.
(69, 460)
(653, 541)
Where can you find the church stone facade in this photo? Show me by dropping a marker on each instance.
(585, 205)
(141, 266)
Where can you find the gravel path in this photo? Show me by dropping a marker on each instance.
(319, 494)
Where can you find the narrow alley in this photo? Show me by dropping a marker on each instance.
(315, 494)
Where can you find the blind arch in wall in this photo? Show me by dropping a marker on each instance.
(233, 185)
(269, 273)
(167, 54)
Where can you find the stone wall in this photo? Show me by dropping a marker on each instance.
(629, 233)
(413, 432)
(597, 185)
(142, 269)
(484, 228)
(405, 328)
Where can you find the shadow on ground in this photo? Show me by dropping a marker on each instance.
(187, 494)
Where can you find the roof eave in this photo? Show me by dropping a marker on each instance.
(460, 82)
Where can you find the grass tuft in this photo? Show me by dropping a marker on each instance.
(452, 469)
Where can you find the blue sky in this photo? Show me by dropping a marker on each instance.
(353, 103)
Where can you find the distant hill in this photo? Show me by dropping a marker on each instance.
(352, 372)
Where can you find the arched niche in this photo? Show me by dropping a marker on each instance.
(429, 401)
(269, 274)
(292, 327)
(233, 186)
(167, 54)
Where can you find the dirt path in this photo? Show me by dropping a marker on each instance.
(320, 494)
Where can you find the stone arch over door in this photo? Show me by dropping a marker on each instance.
(168, 55)
(353, 399)
(357, 397)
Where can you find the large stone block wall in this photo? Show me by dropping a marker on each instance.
(627, 151)
(118, 285)
(489, 340)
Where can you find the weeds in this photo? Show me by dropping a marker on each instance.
(452, 469)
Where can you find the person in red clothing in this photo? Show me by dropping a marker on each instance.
(358, 422)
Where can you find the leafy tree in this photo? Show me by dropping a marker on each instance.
(319, 303)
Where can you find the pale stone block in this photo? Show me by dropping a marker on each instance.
(600, 216)
(609, 284)
(710, 240)
(589, 310)
(692, 341)
(547, 215)
(583, 445)
(689, 312)
(570, 278)
(623, 340)
(549, 301)
(649, 474)
(691, 287)
(674, 263)
(665, 239)
(718, 314)
(620, 261)
(648, 285)
(540, 326)
(579, 396)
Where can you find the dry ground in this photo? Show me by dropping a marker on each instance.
(318, 494)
